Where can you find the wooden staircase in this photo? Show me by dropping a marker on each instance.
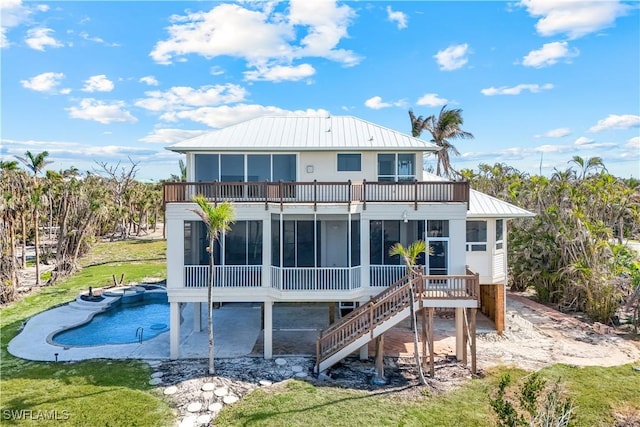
(387, 309)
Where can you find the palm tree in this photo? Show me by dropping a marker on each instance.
(216, 219)
(442, 129)
(409, 256)
(36, 163)
(592, 164)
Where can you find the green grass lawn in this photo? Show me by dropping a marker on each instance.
(89, 393)
(597, 393)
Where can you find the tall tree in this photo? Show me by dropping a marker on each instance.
(217, 219)
(443, 129)
(410, 255)
(36, 163)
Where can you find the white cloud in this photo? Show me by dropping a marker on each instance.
(326, 25)
(615, 121)
(279, 73)
(432, 100)
(171, 136)
(549, 54)
(260, 36)
(555, 133)
(376, 103)
(216, 70)
(633, 143)
(452, 57)
(583, 140)
(45, 82)
(547, 148)
(12, 14)
(39, 38)
(94, 39)
(400, 18)
(149, 80)
(222, 116)
(102, 112)
(184, 97)
(99, 83)
(516, 90)
(573, 18)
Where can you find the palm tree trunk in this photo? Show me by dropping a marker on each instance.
(210, 307)
(37, 245)
(24, 239)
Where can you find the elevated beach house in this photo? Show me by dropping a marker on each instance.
(319, 201)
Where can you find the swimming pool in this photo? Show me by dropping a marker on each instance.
(122, 323)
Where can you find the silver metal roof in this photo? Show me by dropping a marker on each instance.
(304, 133)
(485, 206)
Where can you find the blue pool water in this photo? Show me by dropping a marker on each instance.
(119, 325)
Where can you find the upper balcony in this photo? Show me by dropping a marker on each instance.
(319, 192)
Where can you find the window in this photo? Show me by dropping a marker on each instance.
(243, 243)
(299, 245)
(245, 167)
(476, 236)
(437, 228)
(396, 167)
(499, 231)
(206, 168)
(349, 163)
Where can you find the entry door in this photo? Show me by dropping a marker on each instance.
(335, 244)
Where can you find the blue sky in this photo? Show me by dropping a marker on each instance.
(539, 81)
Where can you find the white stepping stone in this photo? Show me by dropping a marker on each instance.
(280, 361)
(155, 381)
(189, 421)
(265, 383)
(171, 390)
(207, 395)
(208, 386)
(154, 363)
(194, 407)
(157, 374)
(301, 375)
(230, 399)
(215, 407)
(221, 392)
(297, 368)
(203, 419)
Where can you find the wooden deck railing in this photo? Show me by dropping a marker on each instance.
(364, 319)
(318, 192)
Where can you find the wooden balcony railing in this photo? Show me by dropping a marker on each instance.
(318, 192)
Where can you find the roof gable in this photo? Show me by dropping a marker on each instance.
(304, 133)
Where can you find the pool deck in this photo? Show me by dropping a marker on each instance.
(236, 331)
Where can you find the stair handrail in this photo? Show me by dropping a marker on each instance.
(364, 307)
(395, 290)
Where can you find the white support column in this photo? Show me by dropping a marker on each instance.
(364, 352)
(175, 252)
(268, 329)
(197, 317)
(266, 252)
(364, 253)
(174, 327)
(459, 332)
